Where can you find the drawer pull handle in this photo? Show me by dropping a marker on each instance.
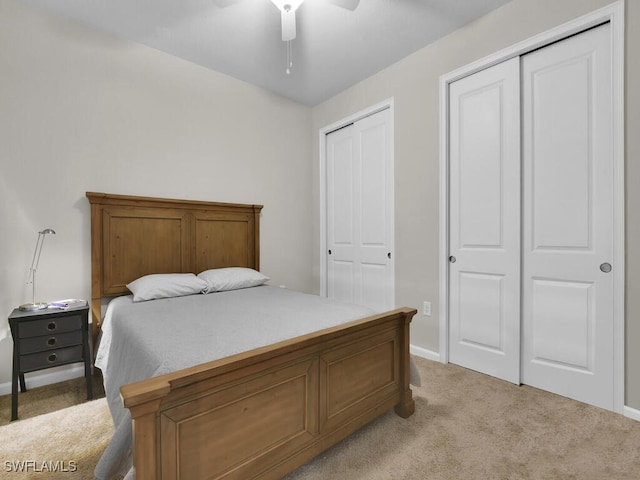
(52, 358)
(52, 326)
(51, 341)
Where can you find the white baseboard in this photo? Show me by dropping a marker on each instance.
(424, 353)
(39, 379)
(631, 413)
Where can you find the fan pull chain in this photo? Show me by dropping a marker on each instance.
(289, 58)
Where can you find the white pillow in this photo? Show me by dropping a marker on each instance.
(166, 285)
(231, 278)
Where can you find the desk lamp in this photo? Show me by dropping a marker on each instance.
(32, 272)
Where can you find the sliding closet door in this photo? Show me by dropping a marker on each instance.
(484, 236)
(360, 228)
(568, 218)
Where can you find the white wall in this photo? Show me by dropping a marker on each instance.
(413, 83)
(83, 111)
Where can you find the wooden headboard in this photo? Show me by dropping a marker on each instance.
(136, 236)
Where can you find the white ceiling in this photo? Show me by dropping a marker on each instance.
(334, 49)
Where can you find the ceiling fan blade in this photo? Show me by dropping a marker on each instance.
(348, 4)
(224, 3)
(288, 25)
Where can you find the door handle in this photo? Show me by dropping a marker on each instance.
(452, 259)
(329, 252)
(605, 267)
(389, 255)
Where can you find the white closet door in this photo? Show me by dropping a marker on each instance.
(360, 230)
(343, 159)
(568, 218)
(484, 268)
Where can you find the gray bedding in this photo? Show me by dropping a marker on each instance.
(146, 339)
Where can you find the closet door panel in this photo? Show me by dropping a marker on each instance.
(561, 133)
(568, 218)
(342, 166)
(484, 273)
(481, 314)
(360, 213)
(554, 342)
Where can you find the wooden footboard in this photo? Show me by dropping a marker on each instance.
(263, 413)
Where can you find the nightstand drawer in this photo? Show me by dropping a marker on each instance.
(36, 361)
(50, 325)
(50, 342)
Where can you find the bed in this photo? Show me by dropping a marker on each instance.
(258, 413)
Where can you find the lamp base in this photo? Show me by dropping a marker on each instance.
(30, 307)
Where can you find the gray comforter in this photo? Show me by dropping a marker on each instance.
(146, 339)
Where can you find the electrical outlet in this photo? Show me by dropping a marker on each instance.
(426, 309)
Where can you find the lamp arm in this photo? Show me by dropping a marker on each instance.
(34, 268)
(33, 261)
(33, 285)
(39, 251)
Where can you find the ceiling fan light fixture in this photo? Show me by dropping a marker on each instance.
(287, 5)
(288, 14)
(288, 25)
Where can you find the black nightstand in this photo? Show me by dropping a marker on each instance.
(48, 338)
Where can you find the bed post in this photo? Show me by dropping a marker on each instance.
(144, 439)
(407, 405)
(256, 225)
(96, 269)
(143, 401)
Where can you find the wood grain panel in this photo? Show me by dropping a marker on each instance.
(221, 241)
(265, 417)
(358, 375)
(136, 245)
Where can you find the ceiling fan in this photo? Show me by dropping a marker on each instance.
(288, 12)
(288, 15)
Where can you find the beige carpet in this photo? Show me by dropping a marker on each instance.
(467, 426)
(58, 434)
(60, 445)
(49, 398)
